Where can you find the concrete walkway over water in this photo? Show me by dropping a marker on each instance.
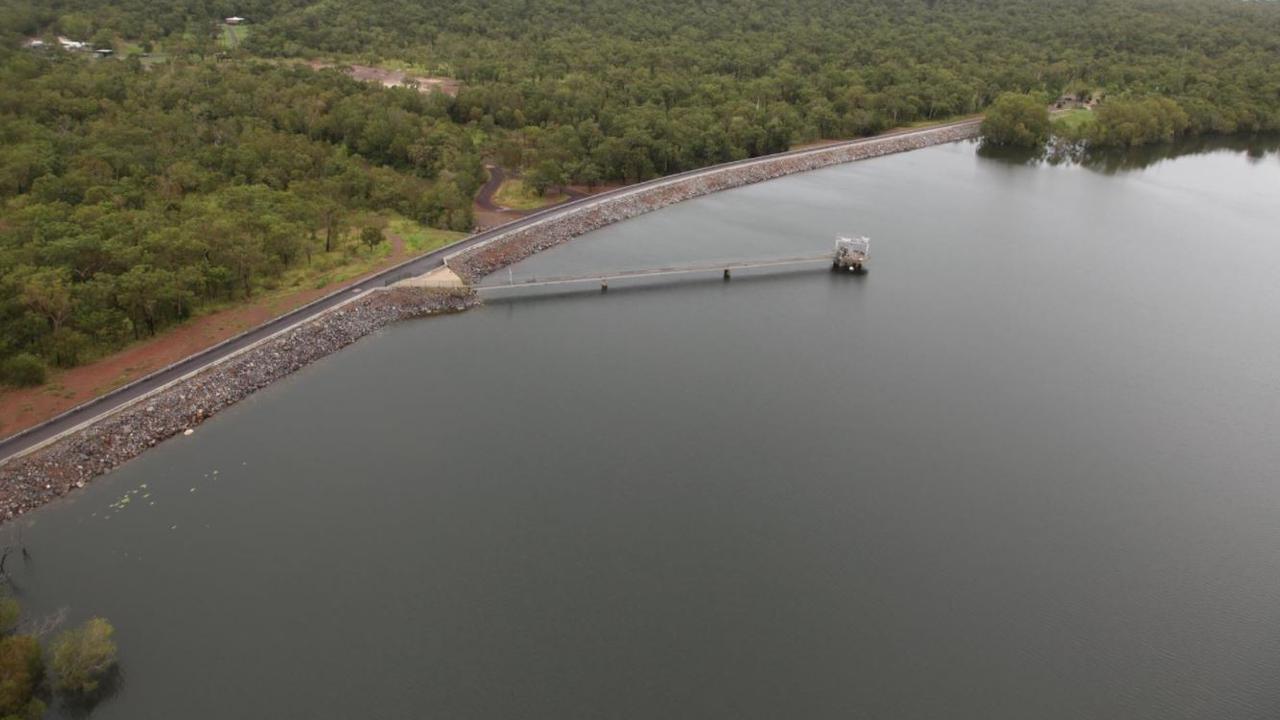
(83, 415)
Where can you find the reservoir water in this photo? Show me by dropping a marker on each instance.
(1026, 468)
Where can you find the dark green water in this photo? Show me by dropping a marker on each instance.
(1027, 468)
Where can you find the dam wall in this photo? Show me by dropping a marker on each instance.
(73, 458)
(507, 248)
(31, 480)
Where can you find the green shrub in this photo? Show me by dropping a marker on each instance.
(66, 346)
(371, 236)
(83, 656)
(1016, 120)
(21, 668)
(1126, 123)
(23, 370)
(9, 612)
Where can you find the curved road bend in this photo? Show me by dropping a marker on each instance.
(497, 175)
(35, 436)
(484, 198)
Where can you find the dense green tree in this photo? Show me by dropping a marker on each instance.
(21, 671)
(130, 198)
(1138, 122)
(47, 292)
(545, 175)
(21, 667)
(589, 174)
(1015, 119)
(104, 39)
(135, 193)
(371, 236)
(22, 370)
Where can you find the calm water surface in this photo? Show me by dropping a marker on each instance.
(1027, 468)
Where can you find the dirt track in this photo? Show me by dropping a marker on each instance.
(490, 214)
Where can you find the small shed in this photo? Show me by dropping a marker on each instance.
(1068, 101)
(234, 20)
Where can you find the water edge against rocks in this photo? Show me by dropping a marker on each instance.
(1025, 468)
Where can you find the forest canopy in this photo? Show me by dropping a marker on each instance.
(132, 197)
(186, 171)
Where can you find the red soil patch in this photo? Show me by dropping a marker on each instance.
(21, 409)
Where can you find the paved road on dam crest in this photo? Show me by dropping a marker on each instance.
(39, 435)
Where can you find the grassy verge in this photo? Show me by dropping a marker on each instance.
(516, 195)
(1072, 122)
(420, 238)
(349, 260)
(933, 121)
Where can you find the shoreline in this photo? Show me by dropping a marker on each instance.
(483, 259)
(67, 390)
(73, 458)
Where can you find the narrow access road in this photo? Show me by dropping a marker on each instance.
(497, 175)
(33, 437)
(484, 198)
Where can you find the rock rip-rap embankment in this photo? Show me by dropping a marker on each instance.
(512, 247)
(54, 470)
(74, 459)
